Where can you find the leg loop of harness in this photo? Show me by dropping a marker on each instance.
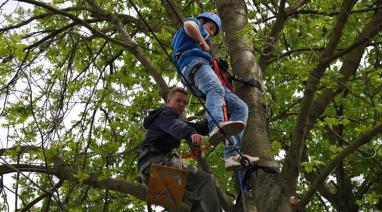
(190, 82)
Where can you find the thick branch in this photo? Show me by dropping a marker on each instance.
(78, 20)
(348, 67)
(41, 16)
(61, 171)
(294, 155)
(367, 137)
(174, 12)
(142, 58)
(43, 196)
(134, 49)
(324, 189)
(276, 29)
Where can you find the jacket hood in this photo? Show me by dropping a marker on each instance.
(152, 116)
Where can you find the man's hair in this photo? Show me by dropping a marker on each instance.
(175, 90)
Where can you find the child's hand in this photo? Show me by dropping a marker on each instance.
(205, 47)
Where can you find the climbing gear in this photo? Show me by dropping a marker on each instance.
(179, 55)
(218, 65)
(146, 152)
(212, 17)
(244, 161)
(230, 128)
(250, 170)
(221, 69)
(223, 80)
(250, 82)
(191, 83)
(166, 186)
(233, 163)
(166, 179)
(195, 153)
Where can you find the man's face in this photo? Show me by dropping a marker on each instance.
(210, 27)
(178, 102)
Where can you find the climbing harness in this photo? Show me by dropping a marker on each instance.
(248, 174)
(191, 83)
(227, 77)
(220, 66)
(223, 80)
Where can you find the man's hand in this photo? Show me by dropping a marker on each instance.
(197, 139)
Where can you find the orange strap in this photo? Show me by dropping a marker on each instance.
(221, 75)
(223, 81)
(196, 153)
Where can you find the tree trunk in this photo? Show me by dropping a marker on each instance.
(268, 193)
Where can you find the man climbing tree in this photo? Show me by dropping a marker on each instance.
(190, 52)
(164, 131)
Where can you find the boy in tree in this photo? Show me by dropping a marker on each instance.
(190, 52)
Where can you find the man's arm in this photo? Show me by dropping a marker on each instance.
(169, 122)
(200, 127)
(192, 30)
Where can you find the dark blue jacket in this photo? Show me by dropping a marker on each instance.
(165, 129)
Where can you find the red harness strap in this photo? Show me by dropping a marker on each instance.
(221, 75)
(195, 153)
(224, 81)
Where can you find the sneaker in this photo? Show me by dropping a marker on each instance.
(233, 163)
(230, 128)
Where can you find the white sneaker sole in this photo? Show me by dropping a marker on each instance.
(229, 129)
(238, 166)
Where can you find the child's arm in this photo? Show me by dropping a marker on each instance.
(192, 30)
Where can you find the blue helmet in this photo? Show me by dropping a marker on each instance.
(212, 17)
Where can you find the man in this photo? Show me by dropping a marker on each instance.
(164, 131)
(190, 52)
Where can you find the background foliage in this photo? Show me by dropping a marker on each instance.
(73, 85)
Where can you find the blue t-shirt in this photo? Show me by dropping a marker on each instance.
(186, 49)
